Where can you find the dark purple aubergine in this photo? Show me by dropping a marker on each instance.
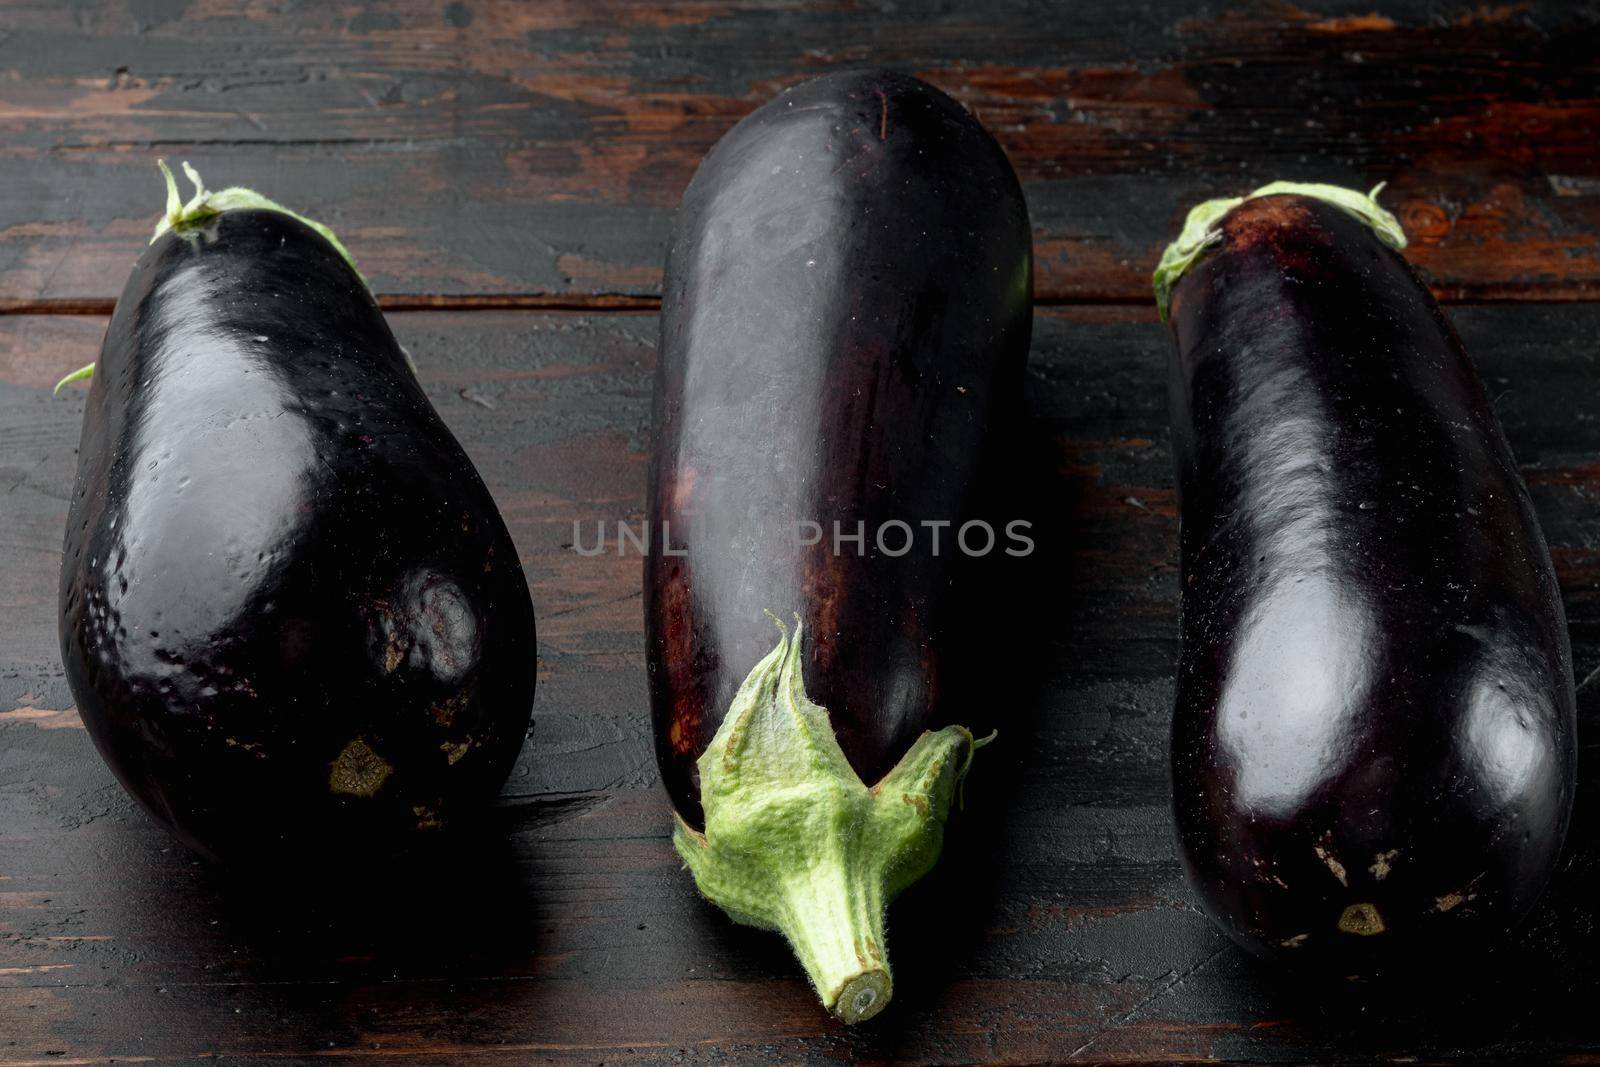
(1373, 750)
(846, 313)
(291, 615)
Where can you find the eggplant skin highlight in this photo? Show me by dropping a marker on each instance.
(1373, 750)
(290, 613)
(847, 308)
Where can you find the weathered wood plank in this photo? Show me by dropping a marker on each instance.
(1058, 924)
(537, 151)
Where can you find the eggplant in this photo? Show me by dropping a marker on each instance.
(1373, 749)
(290, 613)
(846, 314)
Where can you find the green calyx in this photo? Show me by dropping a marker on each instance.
(81, 374)
(1201, 229)
(205, 205)
(796, 842)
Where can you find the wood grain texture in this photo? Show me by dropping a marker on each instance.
(1058, 924)
(535, 151)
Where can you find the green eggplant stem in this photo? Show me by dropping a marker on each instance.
(205, 205)
(795, 842)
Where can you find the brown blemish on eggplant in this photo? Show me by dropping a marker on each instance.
(454, 750)
(1263, 220)
(677, 642)
(358, 770)
(1451, 901)
(688, 722)
(392, 646)
(1361, 919)
(828, 580)
(1331, 861)
(388, 635)
(1382, 862)
(427, 818)
(445, 711)
(679, 738)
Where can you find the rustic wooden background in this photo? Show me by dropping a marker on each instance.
(506, 174)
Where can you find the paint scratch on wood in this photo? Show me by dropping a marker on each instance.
(44, 718)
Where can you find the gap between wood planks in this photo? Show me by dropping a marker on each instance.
(594, 303)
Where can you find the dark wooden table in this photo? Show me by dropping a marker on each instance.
(506, 175)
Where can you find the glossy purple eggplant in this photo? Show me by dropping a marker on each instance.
(291, 614)
(1373, 750)
(846, 313)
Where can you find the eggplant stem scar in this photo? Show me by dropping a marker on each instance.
(1361, 919)
(358, 770)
